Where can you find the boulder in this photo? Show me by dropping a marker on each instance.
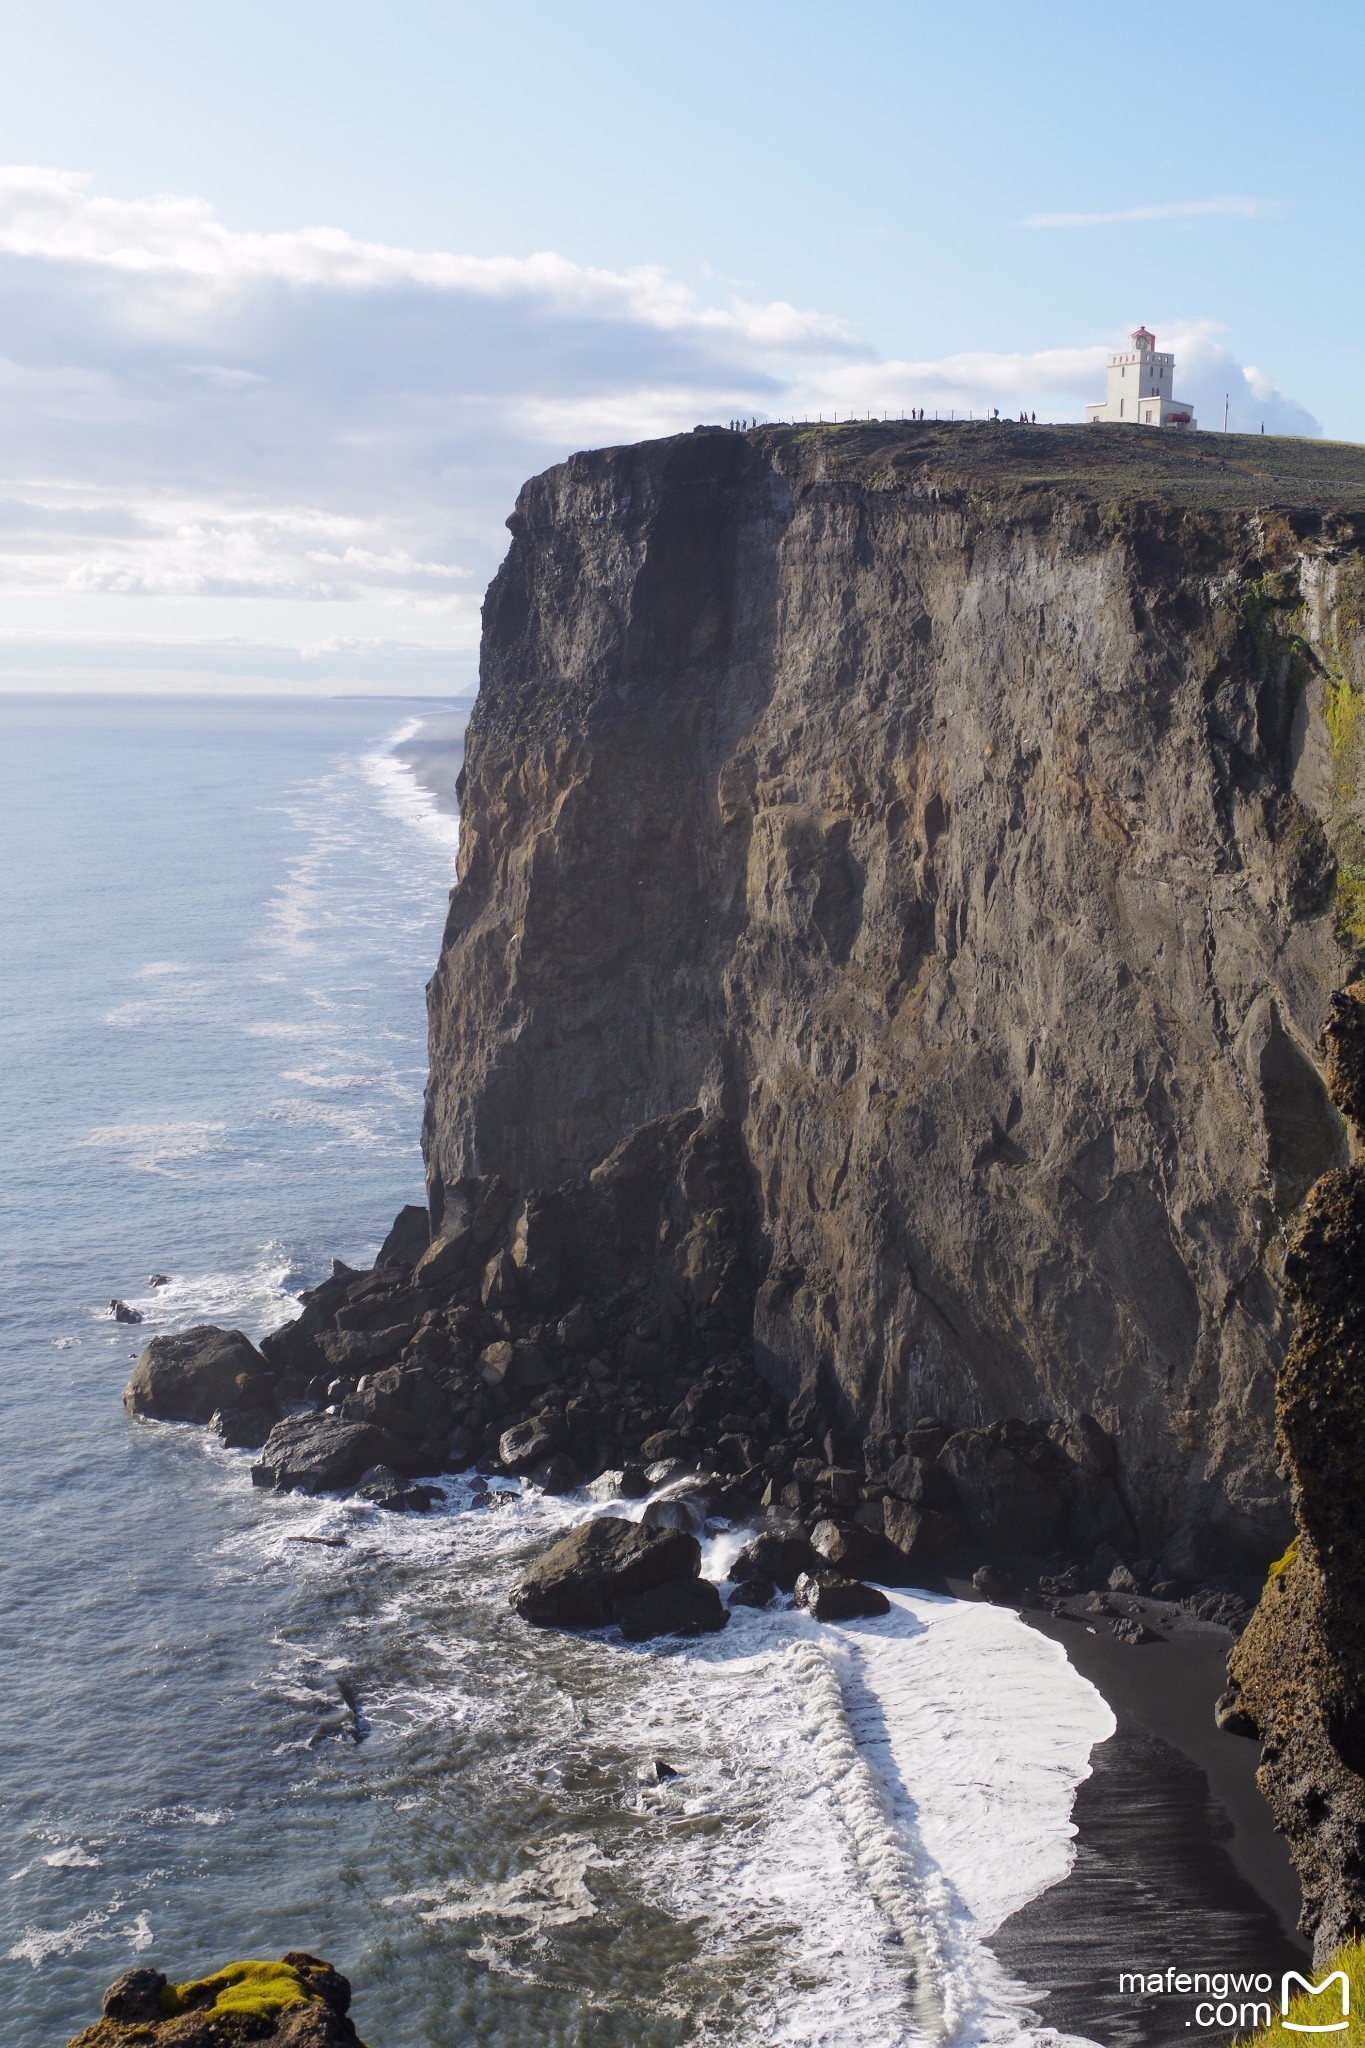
(320, 1454)
(244, 1429)
(752, 1592)
(529, 1443)
(444, 1264)
(532, 1368)
(121, 1312)
(136, 1995)
(831, 1596)
(682, 1607)
(187, 1377)
(920, 1536)
(409, 1237)
(668, 1514)
(779, 1558)
(995, 1585)
(294, 1350)
(922, 1484)
(495, 1362)
(577, 1582)
(663, 1447)
(856, 1551)
(1007, 1502)
(1132, 1629)
(384, 1488)
(558, 1474)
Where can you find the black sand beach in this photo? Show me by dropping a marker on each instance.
(1178, 1865)
(435, 753)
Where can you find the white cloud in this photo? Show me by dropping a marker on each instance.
(249, 456)
(1176, 209)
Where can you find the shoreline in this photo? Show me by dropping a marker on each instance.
(434, 756)
(1178, 1864)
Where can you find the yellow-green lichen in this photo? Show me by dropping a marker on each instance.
(1321, 2015)
(262, 1989)
(1282, 1564)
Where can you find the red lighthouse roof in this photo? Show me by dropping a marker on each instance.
(1142, 334)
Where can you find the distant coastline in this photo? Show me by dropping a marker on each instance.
(435, 753)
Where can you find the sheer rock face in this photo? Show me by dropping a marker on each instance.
(960, 838)
(1298, 1673)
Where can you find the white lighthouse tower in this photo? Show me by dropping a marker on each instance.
(1140, 388)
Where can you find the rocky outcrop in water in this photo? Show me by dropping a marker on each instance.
(297, 2002)
(951, 816)
(199, 1372)
(1298, 1673)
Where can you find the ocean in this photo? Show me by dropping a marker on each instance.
(217, 920)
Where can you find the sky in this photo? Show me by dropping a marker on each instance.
(293, 297)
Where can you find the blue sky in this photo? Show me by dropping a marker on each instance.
(293, 296)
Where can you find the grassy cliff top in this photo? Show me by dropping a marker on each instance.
(1238, 472)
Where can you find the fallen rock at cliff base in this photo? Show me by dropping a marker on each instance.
(780, 1559)
(320, 1454)
(243, 1429)
(683, 1607)
(408, 1239)
(831, 1596)
(577, 1582)
(186, 1378)
(996, 1585)
(298, 2002)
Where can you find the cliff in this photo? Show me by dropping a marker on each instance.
(1298, 1673)
(967, 817)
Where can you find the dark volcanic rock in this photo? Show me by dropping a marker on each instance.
(396, 1495)
(408, 1239)
(920, 838)
(558, 1474)
(921, 1536)
(187, 1377)
(122, 1313)
(319, 1454)
(779, 1557)
(578, 1581)
(831, 1596)
(298, 2002)
(683, 1607)
(529, 1443)
(856, 1552)
(244, 1429)
(996, 1585)
(752, 1591)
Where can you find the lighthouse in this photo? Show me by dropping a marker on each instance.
(1140, 380)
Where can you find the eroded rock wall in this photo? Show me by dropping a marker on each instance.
(1298, 1672)
(967, 842)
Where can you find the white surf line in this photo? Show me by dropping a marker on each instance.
(912, 1915)
(976, 1732)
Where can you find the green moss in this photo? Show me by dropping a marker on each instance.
(1282, 1564)
(262, 1989)
(1305, 2011)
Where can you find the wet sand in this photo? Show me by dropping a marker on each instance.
(1178, 1865)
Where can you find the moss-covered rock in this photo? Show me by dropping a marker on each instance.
(298, 2001)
